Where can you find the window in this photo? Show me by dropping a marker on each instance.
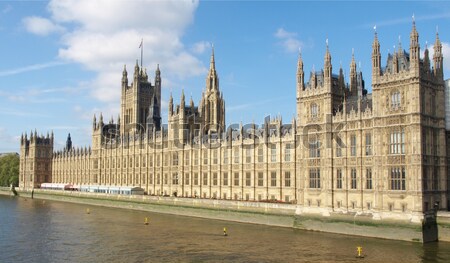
(174, 178)
(398, 178)
(186, 178)
(225, 156)
(287, 153)
(225, 180)
(175, 159)
(353, 178)
(215, 179)
(236, 179)
(314, 110)
(339, 148)
(236, 155)
(158, 179)
(260, 154)
(260, 179)
(150, 178)
(248, 179)
(195, 178)
(339, 179)
(158, 161)
(186, 158)
(287, 179)
(314, 149)
(314, 178)
(368, 144)
(395, 99)
(195, 158)
(353, 145)
(273, 154)
(166, 159)
(397, 142)
(273, 179)
(215, 159)
(205, 156)
(368, 178)
(205, 178)
(435, 182)
(425, 179)
(248, 155)
(166, 179)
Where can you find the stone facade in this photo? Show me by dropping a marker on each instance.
(382, 153)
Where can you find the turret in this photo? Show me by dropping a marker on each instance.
(94, 122)
(328, 68)
(414, 48)
(212, 81)
(171, 105)
(124, 77)
(68, 143)
(300, 75)
(158, 85)
(426, 59)
(438, 57)
(376, 57)
(353, 77)
(136, 72)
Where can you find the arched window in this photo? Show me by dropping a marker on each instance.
(395, 99)
(314, 110)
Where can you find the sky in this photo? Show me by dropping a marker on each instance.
(61, 61)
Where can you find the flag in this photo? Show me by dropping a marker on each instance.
(142, 42)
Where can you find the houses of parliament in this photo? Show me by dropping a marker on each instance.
(382, 153)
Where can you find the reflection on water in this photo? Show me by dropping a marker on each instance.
(47, 231)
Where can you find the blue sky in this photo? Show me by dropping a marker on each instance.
(61, 60)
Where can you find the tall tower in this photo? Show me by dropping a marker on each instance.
(137, 101)
(212, 105)
(35, 160)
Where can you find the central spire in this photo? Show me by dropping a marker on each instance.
(212, 64)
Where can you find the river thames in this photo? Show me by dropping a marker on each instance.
(34, 230)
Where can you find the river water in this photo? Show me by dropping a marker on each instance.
(33, 230)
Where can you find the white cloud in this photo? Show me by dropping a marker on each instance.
(30, 68)
(288, 40)
(200, 47)
(41, 26)
(104, 35)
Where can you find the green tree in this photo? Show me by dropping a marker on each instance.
(9, 170)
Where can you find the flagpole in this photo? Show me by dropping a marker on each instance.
(142, 50)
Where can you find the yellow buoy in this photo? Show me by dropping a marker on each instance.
(88, 211)
(359, 252)
(146, 221)
(225, 232)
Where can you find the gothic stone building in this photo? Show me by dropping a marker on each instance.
(381, 153)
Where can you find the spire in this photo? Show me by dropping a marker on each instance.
(136, 69)
(400, 51)
(170, 105)
(300, 73)
(437, 57)
(191, 103)
(157, 71)
(212, 81)
(69, 143)
(327, 64)
(94, 122)
(212, 64)
(353, 77)
(182, 103)
(414, 48)
(376, 56)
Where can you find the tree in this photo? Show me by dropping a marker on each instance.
(9, 170)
